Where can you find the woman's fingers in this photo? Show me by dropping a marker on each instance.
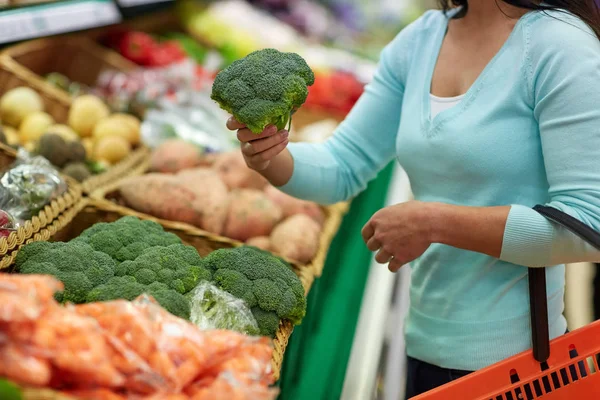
(383, 257)
(373, 244)
(233, 124)
(395, 265)
(246, 135)
(268, 154)
(260, 145)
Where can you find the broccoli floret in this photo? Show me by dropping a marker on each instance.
(119, 287)
(268, 322)
(264, 88)
(263, 281)
(127, 238)
(77, 265)
(173, 302)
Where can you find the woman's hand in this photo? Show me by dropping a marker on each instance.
(400, 233)
(259, 150)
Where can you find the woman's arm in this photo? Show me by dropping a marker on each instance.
(359, 148)
(564, 78)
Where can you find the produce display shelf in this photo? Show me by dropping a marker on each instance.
(83, 60)
(48, 19)
(110, 198)
(51, 218)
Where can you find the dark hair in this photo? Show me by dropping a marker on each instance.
(586, 10)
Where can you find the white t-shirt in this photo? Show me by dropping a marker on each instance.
(439, 104)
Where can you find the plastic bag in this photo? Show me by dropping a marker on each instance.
(213, 308)
(122, 350)
(30, 184)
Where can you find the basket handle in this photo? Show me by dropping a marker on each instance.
(538, 300)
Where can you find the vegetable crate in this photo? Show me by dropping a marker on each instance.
(80, 59)
(95, 211)
(41, 227)
(110, 198)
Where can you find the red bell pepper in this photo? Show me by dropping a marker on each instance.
(137, 47)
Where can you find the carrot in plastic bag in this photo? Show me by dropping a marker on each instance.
(23, 368)
(96, 394)
(25, 298)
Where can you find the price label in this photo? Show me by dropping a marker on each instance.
(52, 19)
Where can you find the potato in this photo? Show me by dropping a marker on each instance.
(88, 145)
(134, 124)
(161, 196)
(296, 238)
(261, 242)
(17, 103)
(174, 197)
(85, 112)
(292, 206)
(236, 174)
(64, 131)
(12, 136)
(34, 125)
(118, 125)
(212, 194)
(175, 155)
(112, 149)
(251, 214)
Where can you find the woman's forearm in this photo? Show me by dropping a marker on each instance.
(478, 229)
(280, 169)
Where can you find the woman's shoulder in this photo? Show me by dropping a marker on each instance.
(422, 28)
(557, 30)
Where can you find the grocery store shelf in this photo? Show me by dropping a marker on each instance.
(364, 362)
(48, 19)
(136, 3)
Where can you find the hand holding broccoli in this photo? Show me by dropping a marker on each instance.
(259, 150)
(262, 91)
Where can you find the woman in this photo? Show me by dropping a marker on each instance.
(491, 108)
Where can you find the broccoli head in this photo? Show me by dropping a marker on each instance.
(128, 288)
(267, 285)
(126, 238)
(77, 265)
(264, 88)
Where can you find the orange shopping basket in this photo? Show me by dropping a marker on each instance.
(563, 369)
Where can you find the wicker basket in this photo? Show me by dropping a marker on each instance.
(81, 60)
(110, 198)
(92, 211)
(78, 58)
(52, 217)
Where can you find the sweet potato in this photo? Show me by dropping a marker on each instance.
(261, 242)
(175, 155)
(296, 238)
(251, 214)
(236, 175)
(292, 206)
(197, 197)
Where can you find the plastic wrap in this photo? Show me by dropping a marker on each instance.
(213, 308)
(30, 184)
(122, 350)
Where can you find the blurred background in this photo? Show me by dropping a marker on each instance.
(156, 59)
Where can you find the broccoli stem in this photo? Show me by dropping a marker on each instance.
(290, 122)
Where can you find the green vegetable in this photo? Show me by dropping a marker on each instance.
(191, 47)
(119, 260)
(77, 265)
(267, 285)
(264, 88)
(213, 308)
(78, 171)
(126, 238)
(9, 391)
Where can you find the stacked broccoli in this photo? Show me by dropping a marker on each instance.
(264, 88)
(120, 260)
(129, 257)
(267, 285)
